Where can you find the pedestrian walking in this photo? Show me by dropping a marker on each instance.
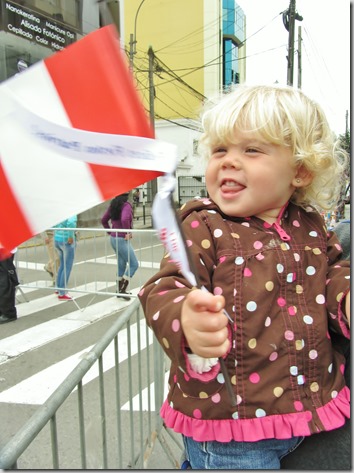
(8, 283)
(260, 248)
(119, 215)
(65, 244)
(53, 262)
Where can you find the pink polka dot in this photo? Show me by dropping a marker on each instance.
(298, 406)
(289, 335)
(273, 356)
(189, 243)
(281, 302)
(197, 413)
(178, 299)
(156, 315)
(342, 368)
(292, 310)
(179, 284)
(141, 292)
(186, 376)
(175, 325)
(217, 291)
(175, 378)
(222, 259)
(247, 273)
(296, 223)
(254, 378)
(259, 256)
(267, 225)
(216, 398)
(195, 224)
(257, 245)
(161, 293)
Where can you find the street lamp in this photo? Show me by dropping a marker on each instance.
(133, 39)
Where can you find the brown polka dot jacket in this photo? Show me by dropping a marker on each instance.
(285, 297)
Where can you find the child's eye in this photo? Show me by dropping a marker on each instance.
(218, 150)
(252, 150)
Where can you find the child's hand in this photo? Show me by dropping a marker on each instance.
(204, 324)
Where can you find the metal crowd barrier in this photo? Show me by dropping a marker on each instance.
(96, 431)
(111, 420)
(93, 250)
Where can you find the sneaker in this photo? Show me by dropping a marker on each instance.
(65, 297)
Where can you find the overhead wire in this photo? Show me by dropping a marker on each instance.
(178, 78)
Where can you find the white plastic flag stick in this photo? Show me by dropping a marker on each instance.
(170, 232)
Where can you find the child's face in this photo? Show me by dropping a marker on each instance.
(251, 177)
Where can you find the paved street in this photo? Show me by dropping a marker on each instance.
(50, 337)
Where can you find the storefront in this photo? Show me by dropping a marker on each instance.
(31, 30)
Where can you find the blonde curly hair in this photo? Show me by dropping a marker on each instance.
(283, 116)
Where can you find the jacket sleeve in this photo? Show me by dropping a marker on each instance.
(163, 295)
(338, 285)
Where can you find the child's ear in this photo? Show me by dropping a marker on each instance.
(302, 178)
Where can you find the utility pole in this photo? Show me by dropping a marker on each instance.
(299, 65)
(131, 52)
(152, 105)
(289, 17)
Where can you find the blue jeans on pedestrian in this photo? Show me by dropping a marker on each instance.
(125, 256)
(66, 253)
(262, 455)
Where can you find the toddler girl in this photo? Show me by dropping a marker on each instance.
(260, 247)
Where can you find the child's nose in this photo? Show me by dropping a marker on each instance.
(232, 159)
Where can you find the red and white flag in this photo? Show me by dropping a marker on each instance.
(73, 133)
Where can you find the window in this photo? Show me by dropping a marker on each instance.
(64, 11)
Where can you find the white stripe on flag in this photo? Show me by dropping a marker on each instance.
(36, 91)
(165, 222)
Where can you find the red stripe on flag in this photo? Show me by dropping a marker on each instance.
(11, 216)
(98, 94)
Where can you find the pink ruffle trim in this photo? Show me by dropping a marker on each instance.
(251, 430)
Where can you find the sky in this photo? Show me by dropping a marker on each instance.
(326, 46)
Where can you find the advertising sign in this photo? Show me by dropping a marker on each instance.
(35, 27)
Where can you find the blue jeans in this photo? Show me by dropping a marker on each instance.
(66, 253)
(125, 256)
(261, 455)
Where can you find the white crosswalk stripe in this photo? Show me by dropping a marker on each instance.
(37, 388)
(46, 332)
